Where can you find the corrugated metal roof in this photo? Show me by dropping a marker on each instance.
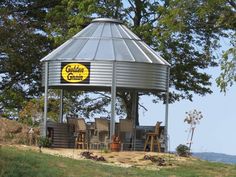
(105, 40)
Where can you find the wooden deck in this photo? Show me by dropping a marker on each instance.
(62, 136)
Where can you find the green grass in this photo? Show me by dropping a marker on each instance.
(26, 163)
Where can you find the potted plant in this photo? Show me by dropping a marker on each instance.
(115, 145)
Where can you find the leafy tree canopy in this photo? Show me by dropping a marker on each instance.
(228, 67)
(22, 44)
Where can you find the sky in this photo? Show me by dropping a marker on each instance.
(216, 131)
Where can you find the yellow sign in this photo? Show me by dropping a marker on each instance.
(75, 72)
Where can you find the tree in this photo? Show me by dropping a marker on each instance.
(22, 44)
(174, 28)
(31, 113)
(32, 110)
(228, 68)
(182, 31)
(185, 33)
(228, 61)
(192, 118)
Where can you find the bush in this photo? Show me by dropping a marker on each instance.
(44, 142)
(183, 150)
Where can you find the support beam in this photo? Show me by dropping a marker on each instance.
(61, 106)
(167, 110)
(113, 101)
(134, 97)
(44, 133)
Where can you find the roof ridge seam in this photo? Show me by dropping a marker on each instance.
(104, 37)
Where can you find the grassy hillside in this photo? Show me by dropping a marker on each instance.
(27, 163)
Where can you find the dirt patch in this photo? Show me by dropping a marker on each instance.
(124, 159)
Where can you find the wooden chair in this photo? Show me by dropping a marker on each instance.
(102, 130)
(81, 132)
(153, 138)
(125, 132)
(71, 123)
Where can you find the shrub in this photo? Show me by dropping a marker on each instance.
(44, 142)
(183, 150)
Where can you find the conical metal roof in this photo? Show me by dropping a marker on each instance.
(105, 40)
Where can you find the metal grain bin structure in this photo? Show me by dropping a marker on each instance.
(105, 55)
(100, 44)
